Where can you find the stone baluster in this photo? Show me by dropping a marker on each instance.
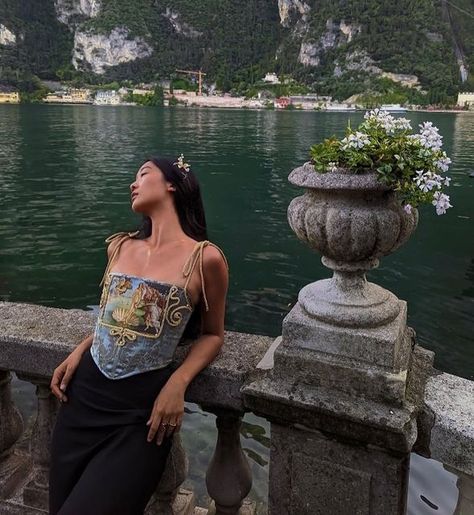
(228, 477)
(35, 492)
(13, 466)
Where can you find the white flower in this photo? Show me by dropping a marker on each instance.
(429, 136)
(446, 181)
(441, 202)
(387, 121)
(402, 123)
(420, 177)
(427, 186)
(332, 167)
(356, 140)
(426, 181)
(443, 163)
(408, 208)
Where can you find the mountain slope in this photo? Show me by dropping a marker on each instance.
(340, 47)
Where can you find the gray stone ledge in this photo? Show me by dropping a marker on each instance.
(35, 339)
(450, 401)
(334, 412)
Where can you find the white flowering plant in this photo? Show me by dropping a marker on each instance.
(412, 164)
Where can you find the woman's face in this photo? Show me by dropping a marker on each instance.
(149, 188)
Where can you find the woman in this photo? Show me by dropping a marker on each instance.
(164, 283)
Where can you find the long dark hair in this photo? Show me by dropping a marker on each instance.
(189, 206)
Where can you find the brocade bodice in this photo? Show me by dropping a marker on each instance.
(141, 320)
(139, 326)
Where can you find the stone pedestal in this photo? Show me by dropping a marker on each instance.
(330, 476)
(341, 428)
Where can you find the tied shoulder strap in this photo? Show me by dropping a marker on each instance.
(120, 236)
(196, 255)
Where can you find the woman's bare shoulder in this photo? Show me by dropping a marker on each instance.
(121, 238)
(213, 255)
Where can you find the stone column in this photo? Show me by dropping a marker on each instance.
(228, 477)
(340, 396)
(35, 492)
(13, 467)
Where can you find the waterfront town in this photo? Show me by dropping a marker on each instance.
(265, 98)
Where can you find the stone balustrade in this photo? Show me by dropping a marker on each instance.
(35, 339)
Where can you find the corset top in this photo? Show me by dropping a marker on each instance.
(140, 321)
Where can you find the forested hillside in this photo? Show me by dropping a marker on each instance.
(419, 49)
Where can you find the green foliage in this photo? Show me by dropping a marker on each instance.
(30, 86)
(234, 38)
(43, 44)
(236, 43)
(35, 97)
(408, 163)
(183, 84)
(156, 98)
(405, 37)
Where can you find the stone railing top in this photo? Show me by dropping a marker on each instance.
(450, 401)
(35, 339)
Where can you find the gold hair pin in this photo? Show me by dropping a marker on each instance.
(181, 164)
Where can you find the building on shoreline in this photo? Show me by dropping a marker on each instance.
(70, 96)
(107, 97)
(310, 101)
(466, 99)
(142, 91)
(9, 97)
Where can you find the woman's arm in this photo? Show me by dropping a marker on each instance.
(169, 404)
(205, 349)
(84, 345)
(63, 372)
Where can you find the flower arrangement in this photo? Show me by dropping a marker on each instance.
(412, 164)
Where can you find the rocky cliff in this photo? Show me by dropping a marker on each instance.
(424, 44)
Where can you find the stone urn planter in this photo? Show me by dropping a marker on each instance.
(352, 220)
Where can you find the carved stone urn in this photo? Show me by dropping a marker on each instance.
(352, 220)
(346, 333)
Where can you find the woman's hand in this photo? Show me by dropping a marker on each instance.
(63, 373)
(167, 409)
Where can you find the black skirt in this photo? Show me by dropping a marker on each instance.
(101, 461)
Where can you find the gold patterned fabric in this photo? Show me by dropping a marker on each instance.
(141, 320)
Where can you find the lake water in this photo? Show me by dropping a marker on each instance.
(65, 173)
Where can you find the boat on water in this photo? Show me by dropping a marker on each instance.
(393, 107)
(342, 107)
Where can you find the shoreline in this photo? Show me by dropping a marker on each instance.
(243, 107)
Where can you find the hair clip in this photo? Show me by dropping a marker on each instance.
(181, 164)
